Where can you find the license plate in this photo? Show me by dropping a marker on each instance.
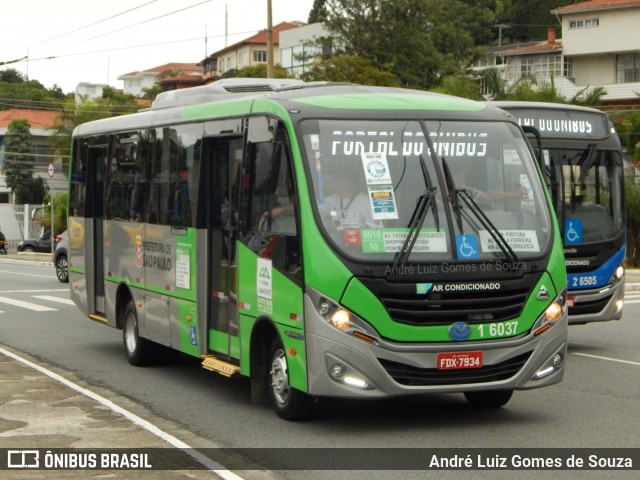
(459, 360)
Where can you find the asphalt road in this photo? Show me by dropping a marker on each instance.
(596, 406)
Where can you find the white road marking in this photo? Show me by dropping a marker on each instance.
(148, 426)
(609, 359)
(51, 298)
(28, 305)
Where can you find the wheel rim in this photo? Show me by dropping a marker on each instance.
(62, 268)
(279, 377)
(130, 335)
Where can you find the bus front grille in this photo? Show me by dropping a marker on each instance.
(445, 307)
(414, 376)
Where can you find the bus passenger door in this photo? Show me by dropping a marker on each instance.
(222, 163)
(94, 244)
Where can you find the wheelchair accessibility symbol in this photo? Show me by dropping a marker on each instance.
(573, 231)
(467, 246)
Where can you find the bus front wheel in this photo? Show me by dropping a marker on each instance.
(140, 351)
(489, 398)
(288, 402)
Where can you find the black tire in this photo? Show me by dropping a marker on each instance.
(28, 249)
(62, 269)
(140, 351)
(489, 398)
(288, 402)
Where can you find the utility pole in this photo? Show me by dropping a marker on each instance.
(269, 41)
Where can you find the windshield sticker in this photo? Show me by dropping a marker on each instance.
(390, 240)
(376, 168)
(348, 219)
(527, 201)
(467, 246)
(518, 240)
(383, 202)
(572, 230)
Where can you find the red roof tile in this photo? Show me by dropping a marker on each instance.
(259, 38)
(37, 118)
(596, 5)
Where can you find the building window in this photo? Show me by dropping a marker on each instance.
(541, 67)
(584, 23)
(260, 56)
(628, 68)
(568, 67)
(242, 59)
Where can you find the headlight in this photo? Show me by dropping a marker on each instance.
(553, 313)
(342, 319)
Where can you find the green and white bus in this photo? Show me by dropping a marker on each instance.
(324, 240)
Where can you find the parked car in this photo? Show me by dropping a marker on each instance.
(60, 257)
(42, 244)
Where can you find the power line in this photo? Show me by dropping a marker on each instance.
(137, 24)
(94, 23)
(130, 47)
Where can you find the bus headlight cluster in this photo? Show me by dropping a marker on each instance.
(552, 313)
(344, 320)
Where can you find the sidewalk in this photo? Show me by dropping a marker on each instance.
(39, 413)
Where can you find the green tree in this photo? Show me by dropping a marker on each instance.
(32, 191)
(346, 68)
(460, 86)
(418, 41)
(16, 92)
(318, 12)
(19, 160)
(258, 71)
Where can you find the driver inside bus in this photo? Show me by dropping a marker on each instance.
(348, 204)
(460, 178)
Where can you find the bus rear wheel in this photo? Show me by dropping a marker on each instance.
(489, 398)
(288, 402)
(140, 351)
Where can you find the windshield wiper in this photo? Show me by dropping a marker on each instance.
(425, 201)
(456, 194)
(502, 243)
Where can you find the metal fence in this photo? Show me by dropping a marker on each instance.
(17, 224)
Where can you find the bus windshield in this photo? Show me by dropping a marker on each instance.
(463, 190)
(586, 185)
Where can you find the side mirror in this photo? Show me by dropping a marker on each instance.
(533, 134)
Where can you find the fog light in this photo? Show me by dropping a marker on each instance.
(337, 371)
(619, 272)
(619, 303)
(557, 360)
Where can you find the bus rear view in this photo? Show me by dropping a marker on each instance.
(584, 172)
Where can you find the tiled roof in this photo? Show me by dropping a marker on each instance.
(539, 48)
(184, 67)
(259, 38)
(596, 5)
(43, 119)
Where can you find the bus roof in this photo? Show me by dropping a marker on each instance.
(233, 97)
